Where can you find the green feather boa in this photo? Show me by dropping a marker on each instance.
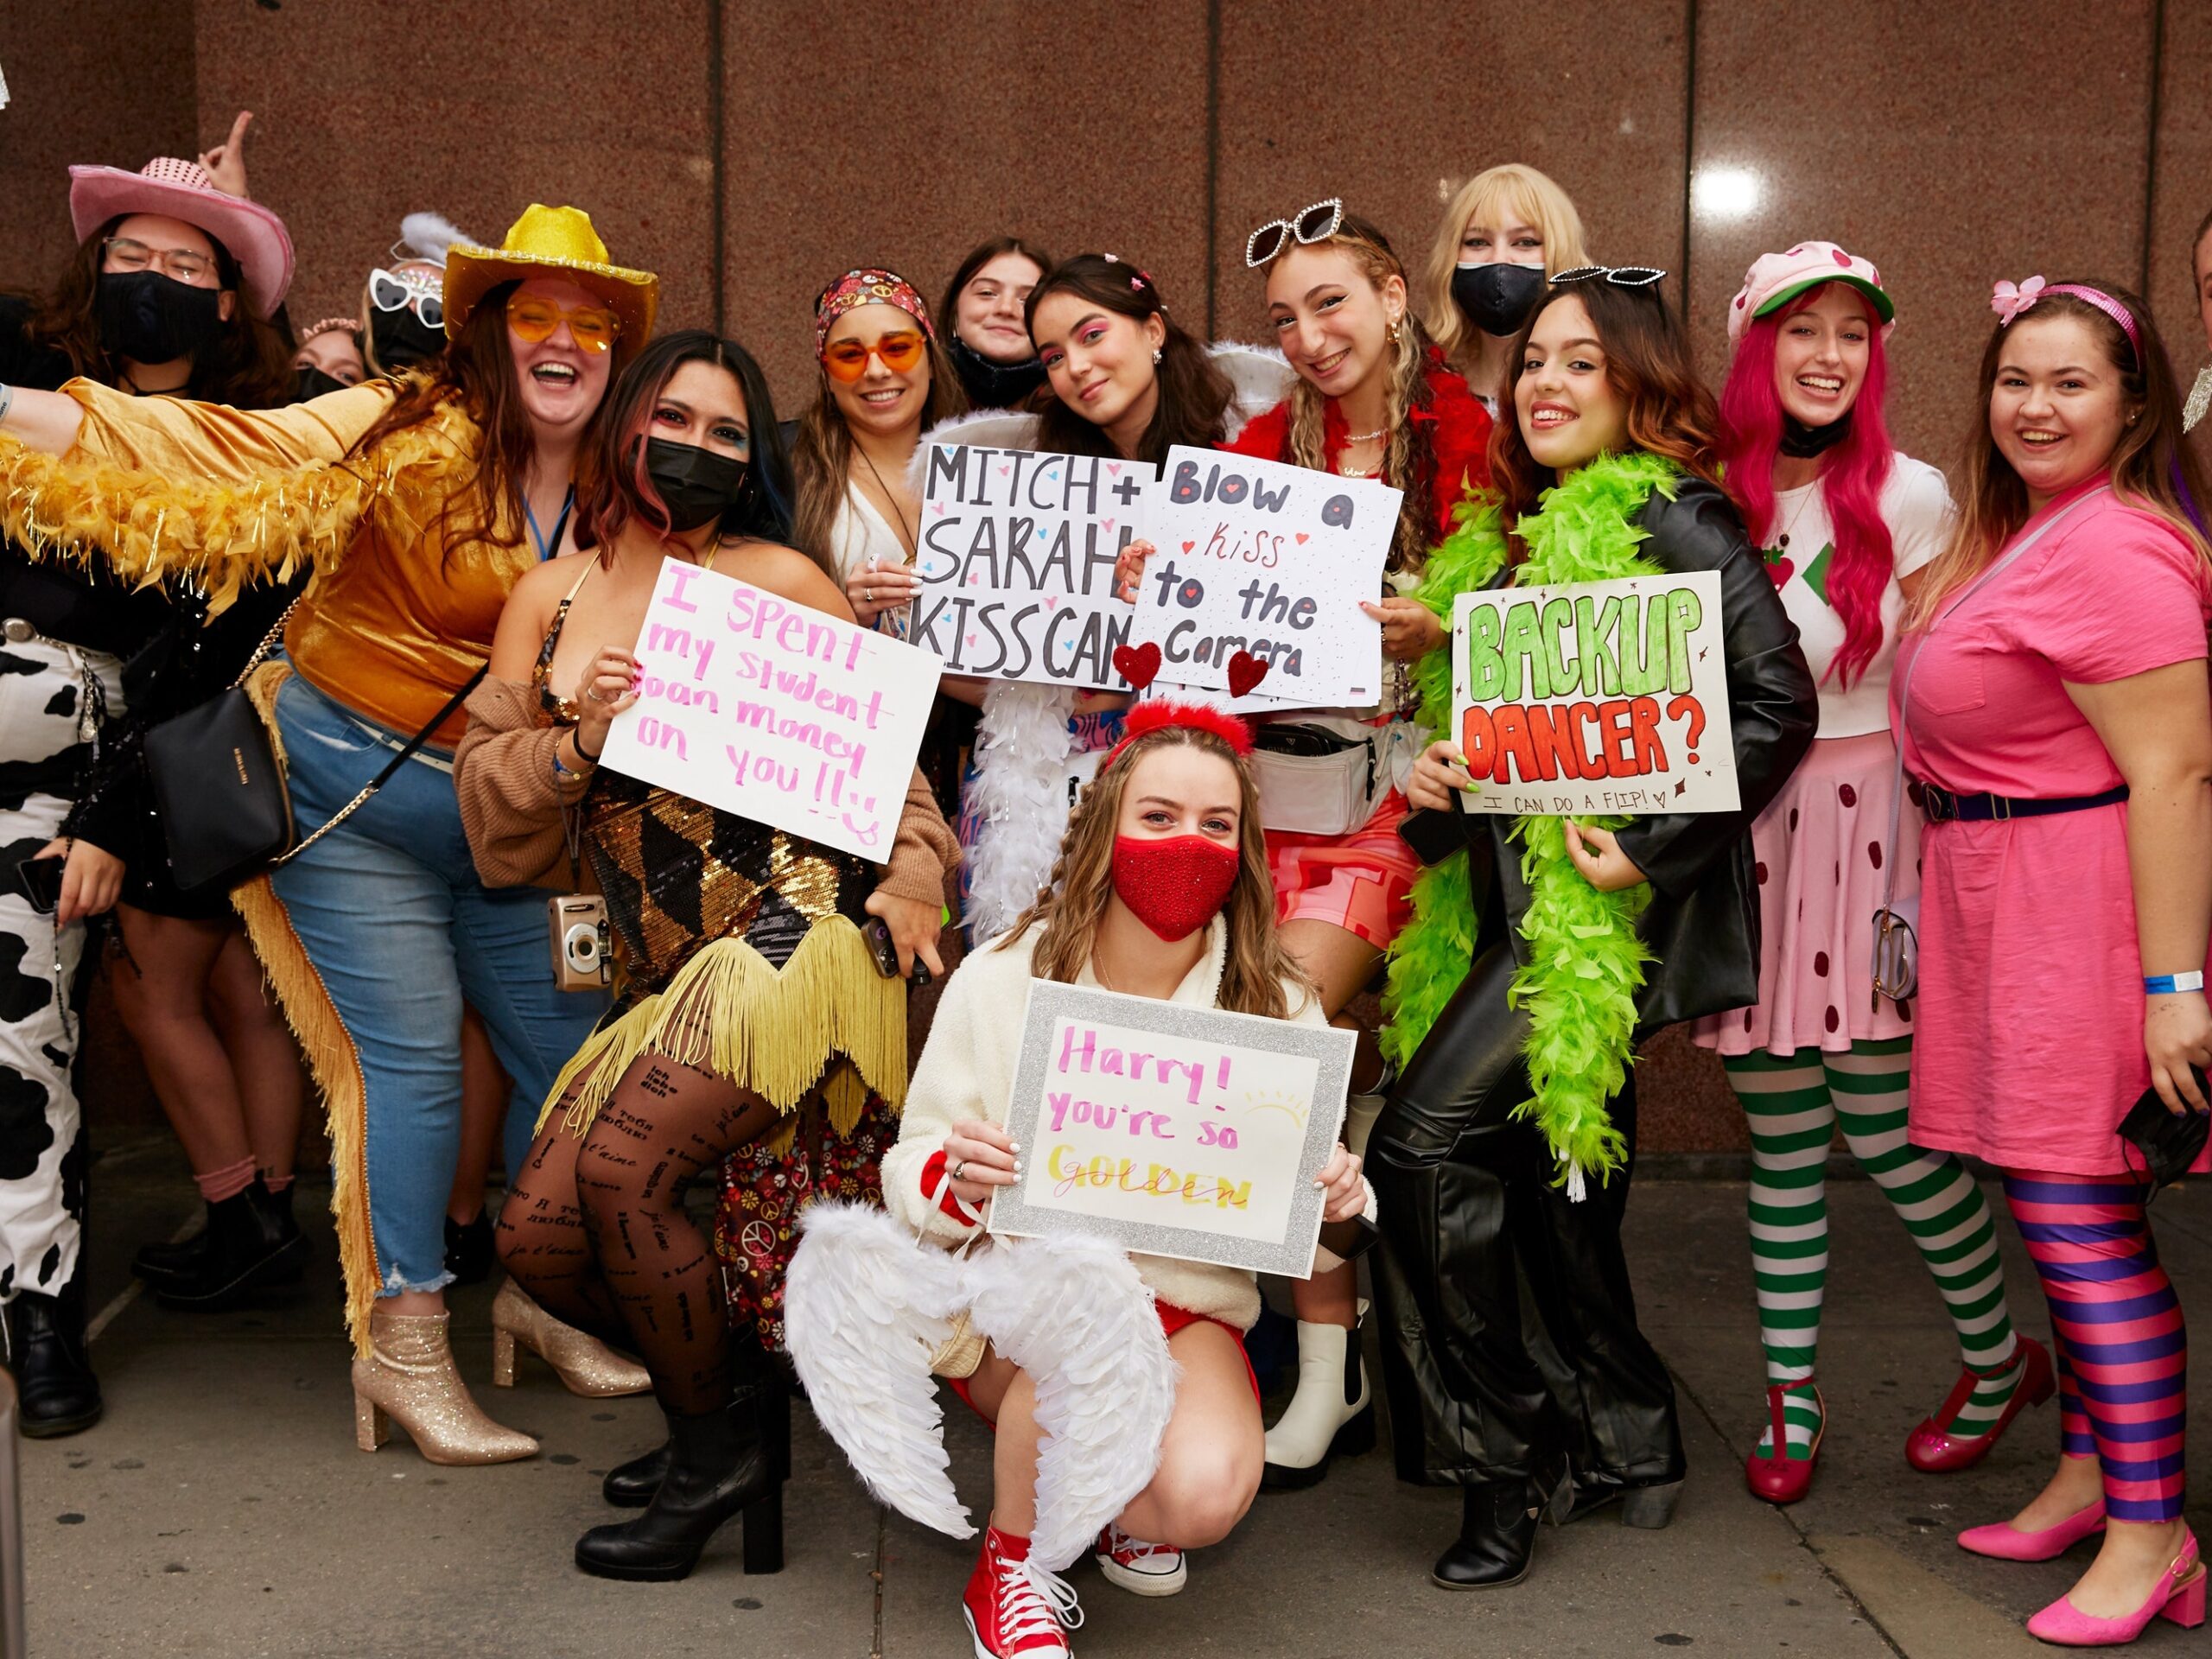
(1586, 959)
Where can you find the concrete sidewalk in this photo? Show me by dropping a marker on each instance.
(221, 1508)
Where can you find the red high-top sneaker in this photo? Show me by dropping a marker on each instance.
(1015, 1609)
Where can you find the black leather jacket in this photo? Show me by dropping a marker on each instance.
(1703, 922)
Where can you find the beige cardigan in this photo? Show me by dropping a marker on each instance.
(967, 1070)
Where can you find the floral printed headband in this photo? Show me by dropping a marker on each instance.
(868, 287)
(2009, 300)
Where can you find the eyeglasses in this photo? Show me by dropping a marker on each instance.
(183, 264)
(594, 327)
(1617, 276)
(847, 359)
(390, 292)
(1313, 224)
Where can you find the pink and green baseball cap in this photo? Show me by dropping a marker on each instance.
(1775, 279)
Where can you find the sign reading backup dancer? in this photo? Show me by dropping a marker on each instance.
(775, 711)
(1172, 1130)
(1017, 562)
(1594, 697)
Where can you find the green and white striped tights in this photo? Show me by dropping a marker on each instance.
(1793, 1106)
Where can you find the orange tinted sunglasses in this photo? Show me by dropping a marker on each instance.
(592, 326)
(847, 359)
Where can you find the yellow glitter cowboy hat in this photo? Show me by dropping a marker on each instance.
(552, 242)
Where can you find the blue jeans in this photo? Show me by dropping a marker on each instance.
(390, 911)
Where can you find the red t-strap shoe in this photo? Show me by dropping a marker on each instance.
(1775, 1475)
(1933, 1450)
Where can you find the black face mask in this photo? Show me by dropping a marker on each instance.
(696, 486)
(150, 318)
(1805, 442)
(1498, 298)
(314, 382)
(401, 340)
(993, 385)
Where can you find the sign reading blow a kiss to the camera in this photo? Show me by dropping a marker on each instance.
(1172, 1130)
(1017, 562)
(1601, 697)
(1257, 577)
(775, 711)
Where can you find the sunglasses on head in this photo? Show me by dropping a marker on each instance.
(594, 327)
(1314, 224)
(391, 293)
(847, 359)
(1617, 275)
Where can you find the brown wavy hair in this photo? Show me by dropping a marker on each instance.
(1671, 413)
(948, 310)
(478, 372)
(1409, 454)
(249, 367)
(1072, 902)
(1194, 394)
(822, 454)
(2150, 467)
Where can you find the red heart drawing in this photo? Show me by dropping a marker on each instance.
(1301, 539)
(1187, 546)
(1245, 671)
(1138, 664)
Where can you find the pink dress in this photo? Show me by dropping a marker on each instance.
(2028, 1046)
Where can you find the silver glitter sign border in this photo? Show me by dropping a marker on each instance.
(1292, 1257)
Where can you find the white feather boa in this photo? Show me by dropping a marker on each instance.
(1018, 795)
(866, 1306)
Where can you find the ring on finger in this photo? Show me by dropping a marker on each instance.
(957, 1167)
(592, 691)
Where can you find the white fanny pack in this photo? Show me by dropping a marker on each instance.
(1325, 774)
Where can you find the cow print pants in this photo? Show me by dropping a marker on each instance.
(42, 1154)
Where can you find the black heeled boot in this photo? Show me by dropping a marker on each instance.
(631, 1485)
(719, 1464)
(469, 1251)
(252, 1244)
(56, 1391)
(1497, 1533)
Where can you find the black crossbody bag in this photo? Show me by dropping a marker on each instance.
(226, 813)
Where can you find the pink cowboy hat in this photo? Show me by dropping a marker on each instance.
(180, 189)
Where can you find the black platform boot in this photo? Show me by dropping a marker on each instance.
(1497, 1533)
(631, 1485)
(160, 1264)
(253, 1243)
(719, 1464)
(47, 1351)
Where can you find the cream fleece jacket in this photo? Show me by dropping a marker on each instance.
(967, 1070)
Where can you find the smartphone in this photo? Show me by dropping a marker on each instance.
(878, 935)
(39, 879)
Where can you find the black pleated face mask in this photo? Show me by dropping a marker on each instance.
(696, 485)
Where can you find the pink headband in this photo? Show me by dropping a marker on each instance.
(2008, 299)
(866, 287)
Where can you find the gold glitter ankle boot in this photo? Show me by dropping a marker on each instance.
(586, 1365)
(409, 1376)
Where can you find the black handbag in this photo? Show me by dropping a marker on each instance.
(226, 812)
(2166, 1142)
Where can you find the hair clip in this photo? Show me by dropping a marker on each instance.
(2008, 299)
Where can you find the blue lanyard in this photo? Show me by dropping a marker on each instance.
(546, 544)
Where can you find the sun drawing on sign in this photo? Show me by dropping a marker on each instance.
(1269, 1100)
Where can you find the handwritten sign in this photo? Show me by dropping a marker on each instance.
(1602, 696)
(772, 711)
(1017, 562)
(1173, 1130)
(1259, 575)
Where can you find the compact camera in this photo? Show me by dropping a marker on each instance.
(580, 959)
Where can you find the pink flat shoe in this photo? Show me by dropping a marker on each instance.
(2003, 1542)
(2178, 1595)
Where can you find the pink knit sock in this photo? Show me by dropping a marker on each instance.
(275, 1184)
(225, 1182)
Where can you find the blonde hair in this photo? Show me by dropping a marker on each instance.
(1408, 461)
(1496, 194)
(1072, 902)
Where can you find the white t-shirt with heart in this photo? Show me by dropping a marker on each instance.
(1917, 507)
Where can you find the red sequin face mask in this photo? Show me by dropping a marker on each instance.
(1175, 886)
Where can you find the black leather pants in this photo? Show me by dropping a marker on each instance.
(1472, 1222)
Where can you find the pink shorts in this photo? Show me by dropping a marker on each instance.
(1171, 1319)
(1361, 882)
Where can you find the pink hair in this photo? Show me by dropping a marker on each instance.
(1749, 441)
